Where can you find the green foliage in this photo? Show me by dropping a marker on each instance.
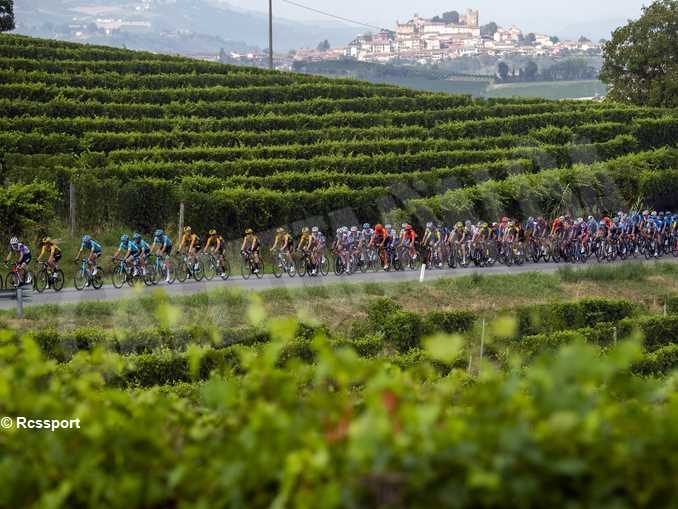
(546, 318)
(26, 208)
(641, 59)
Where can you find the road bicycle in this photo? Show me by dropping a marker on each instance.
(306, 265)
(49, 278)
(122, 273)
(282, 264)
(84, 277)
(249, 266)
(14, 279)
(216, 266)
(194, 269)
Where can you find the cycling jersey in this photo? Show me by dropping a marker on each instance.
(192, 238)
(24, 253)
(253, 242)
(142, 246)
(50, 248)
(215, 240)
(91, 245)
(129, 246)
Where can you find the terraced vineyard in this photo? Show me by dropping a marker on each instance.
(138, 133)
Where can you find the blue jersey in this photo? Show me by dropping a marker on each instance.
(143, 246)
(129, 246)
(91, 245)
(163, 241)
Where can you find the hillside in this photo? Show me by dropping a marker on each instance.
(137, 133)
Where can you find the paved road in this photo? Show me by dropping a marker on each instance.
(108, 293)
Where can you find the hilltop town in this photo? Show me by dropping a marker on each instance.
(433, 40)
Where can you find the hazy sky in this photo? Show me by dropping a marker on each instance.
(531, 15)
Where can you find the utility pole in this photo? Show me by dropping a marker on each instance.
(270, 34)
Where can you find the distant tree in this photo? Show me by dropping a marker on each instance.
(6, 15)
(489, 30)
(554, 39)
(503, 70)
(223, 58)
(530, 72)
(451, 17)
(530, 38)
(640, 62)
(324, 46)
(584, 40)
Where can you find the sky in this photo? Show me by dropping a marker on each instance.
(555, 17)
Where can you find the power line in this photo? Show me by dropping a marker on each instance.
(341, 18)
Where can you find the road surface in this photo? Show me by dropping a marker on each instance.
(109, 293)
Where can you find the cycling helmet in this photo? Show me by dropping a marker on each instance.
(484, 225)
(13, 241)
(590, 218)
(46, 240)
(404, 225)
(136, 236)
(580, 220)
(602, 223)
(305, 229)
(459, 225)
(212, 232)
(249, 231)
(494, 225)
(654, 214)
(339, 230)
(380, 227)
(157, 233)
(87, 238)
(504, 219)
(278, 230)
(354, 229)
(530, 219)
(468, 223)
(408, 228)
(646, 212)
(388, 227)
(314, 229)
(124, 238)
(366, 226)
(428, 225)
(187, 229)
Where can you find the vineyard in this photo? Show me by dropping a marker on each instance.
(136, 134)
(524, 390)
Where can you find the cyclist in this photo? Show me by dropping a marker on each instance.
(131, 251)
(318, 245)
(95, 250)
(283, 241)
(250, 245)
(143, 249)
(215, 245)
(340, 246)
(408, 240)
(378, 241)
(23, 257)
(49, 246)
(190, 243)
(162, 247)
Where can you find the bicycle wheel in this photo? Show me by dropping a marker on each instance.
(324, 265)
(182, 271)
(42, 281)
(226, 272)
(278, 267)
(199, 270)
(338, 266)
(210, 268)
(2, 283)
(119, 277)
(259, 266)
(98, 279)
(12, 280)
(301, 266)
(58, 280)
(245, 269)
(80, 280)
